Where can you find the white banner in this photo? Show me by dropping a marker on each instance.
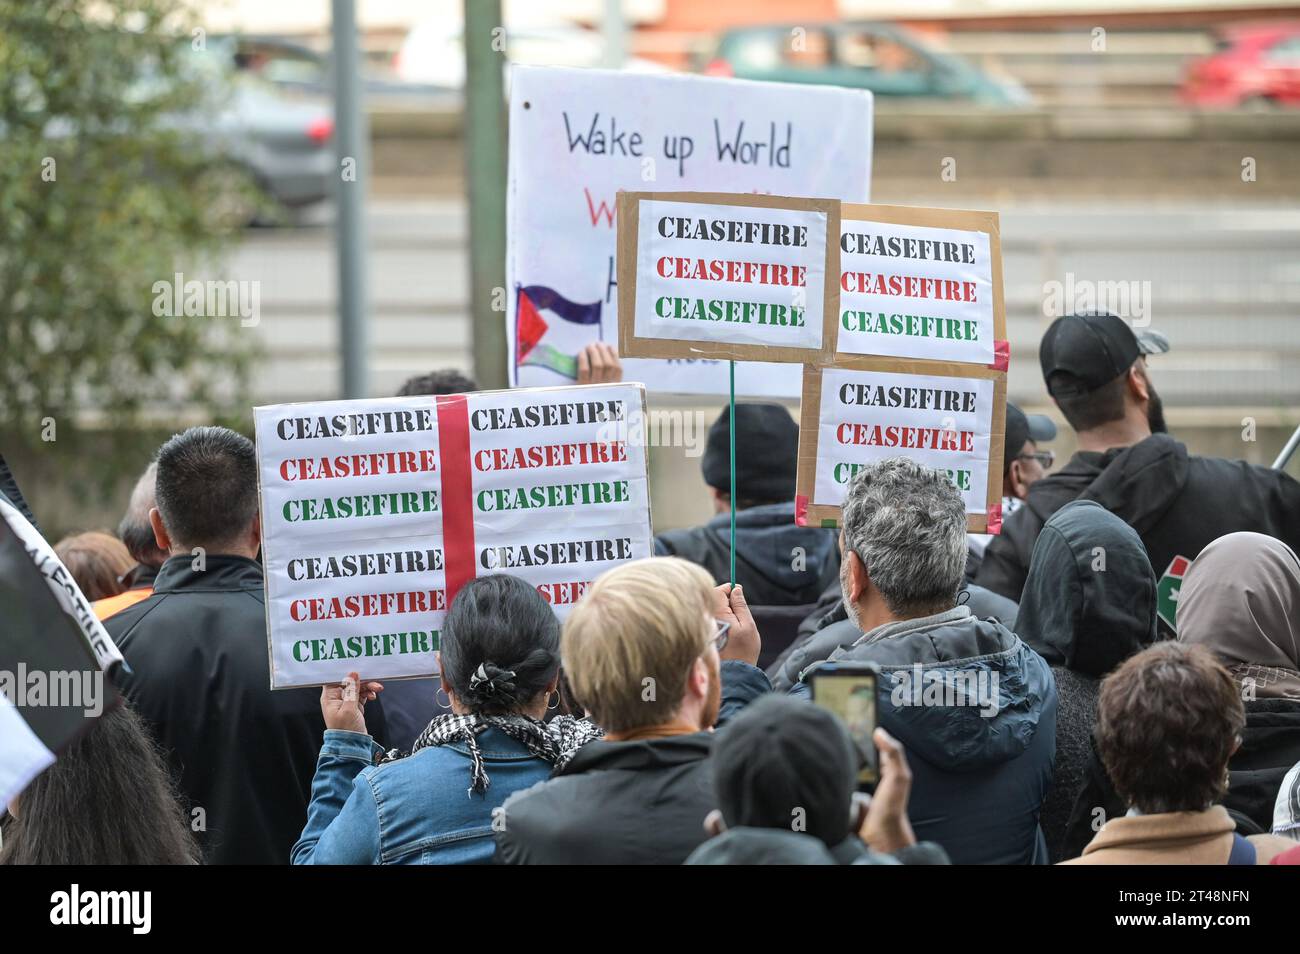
(732, 274)
(579, 136)
(376, 512)
(910, 291)
(940, 422)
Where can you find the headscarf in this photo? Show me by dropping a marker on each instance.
(1090, 597)
(555, 742)
(1241, 600)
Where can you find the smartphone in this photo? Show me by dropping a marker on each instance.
(849, 690)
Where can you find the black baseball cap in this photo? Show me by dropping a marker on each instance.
(1094, 348)
(1023, 427)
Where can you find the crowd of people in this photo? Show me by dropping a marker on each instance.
(1036, 704)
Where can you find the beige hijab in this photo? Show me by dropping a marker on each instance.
(1241, 600)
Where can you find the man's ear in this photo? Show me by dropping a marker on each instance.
(714, 825)
(858, 578)
(160, 536)
(1016, 479)
(697, 683)
(1137, 383)
(255, 534)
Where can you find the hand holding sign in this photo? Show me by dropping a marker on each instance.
(343, 704)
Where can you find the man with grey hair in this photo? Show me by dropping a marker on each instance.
(136, 532)
(973, 705)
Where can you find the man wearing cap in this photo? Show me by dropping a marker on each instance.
(777, 562)
(1023, 464)
(1094, 366)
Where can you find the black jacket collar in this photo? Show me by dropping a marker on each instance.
(641, 755)
(221, 573)
(140, 577)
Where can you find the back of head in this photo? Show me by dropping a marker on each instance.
(500, 645)
(135, 530)
(442, 381)
(1090, 598)
(1167, 723)
(1241, 601)
(785, 764)
(107, 800)
(767, 454)
(907, 523)
(206, 488)
(96, 561)
(1085, 360)
(630, 643)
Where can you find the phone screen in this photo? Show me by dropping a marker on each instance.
(852, 697)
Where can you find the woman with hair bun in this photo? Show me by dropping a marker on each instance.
(500, 662)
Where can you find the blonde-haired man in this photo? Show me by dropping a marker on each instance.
(658, 656)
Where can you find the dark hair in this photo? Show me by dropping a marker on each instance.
(97, 561)
(442, 381)
(781, 761)
(500, 645)
(206, 487)
(1090, 410)
(1167, 723)
(135, 529)
(107, 800)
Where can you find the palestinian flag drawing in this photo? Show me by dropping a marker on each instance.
(1167, 588)
(53, 653)
(553, 344)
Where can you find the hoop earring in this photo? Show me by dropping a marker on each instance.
(442, 705)
(556, 693)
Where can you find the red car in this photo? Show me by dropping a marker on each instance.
(1255, 65)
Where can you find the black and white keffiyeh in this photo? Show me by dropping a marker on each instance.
(555, 742)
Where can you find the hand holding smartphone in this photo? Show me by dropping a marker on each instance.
(849, 690)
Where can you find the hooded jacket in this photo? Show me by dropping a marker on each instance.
(200, 677)
(1175, 501)
(975, 709)
(767, 544)
(1089, 604)
(828, 628)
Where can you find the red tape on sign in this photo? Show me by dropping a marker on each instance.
(457, 493)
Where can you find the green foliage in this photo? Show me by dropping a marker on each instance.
(106, 187)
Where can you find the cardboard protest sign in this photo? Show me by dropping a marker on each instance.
(921, 283)
(716, 275)
(376, 512)
(578, 136)
(947, 416)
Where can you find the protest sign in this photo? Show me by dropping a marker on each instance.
(921, 283)
(579, 136)
(717, 275)
(948, 416)
(376, 512)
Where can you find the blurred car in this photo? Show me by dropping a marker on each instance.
(279, 142)
(1254, 65)
(885, 59)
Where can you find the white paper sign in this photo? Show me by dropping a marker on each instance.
(579, 136)
(912, 291)
(375, 513)
(730, 273)
(940, 422)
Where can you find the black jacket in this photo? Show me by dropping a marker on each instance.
(240, 753)
(1270, 746)
(624, 803)
(1084, 618)
(778, 563)
(1178, 503)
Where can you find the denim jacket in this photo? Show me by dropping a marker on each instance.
(415, 811)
